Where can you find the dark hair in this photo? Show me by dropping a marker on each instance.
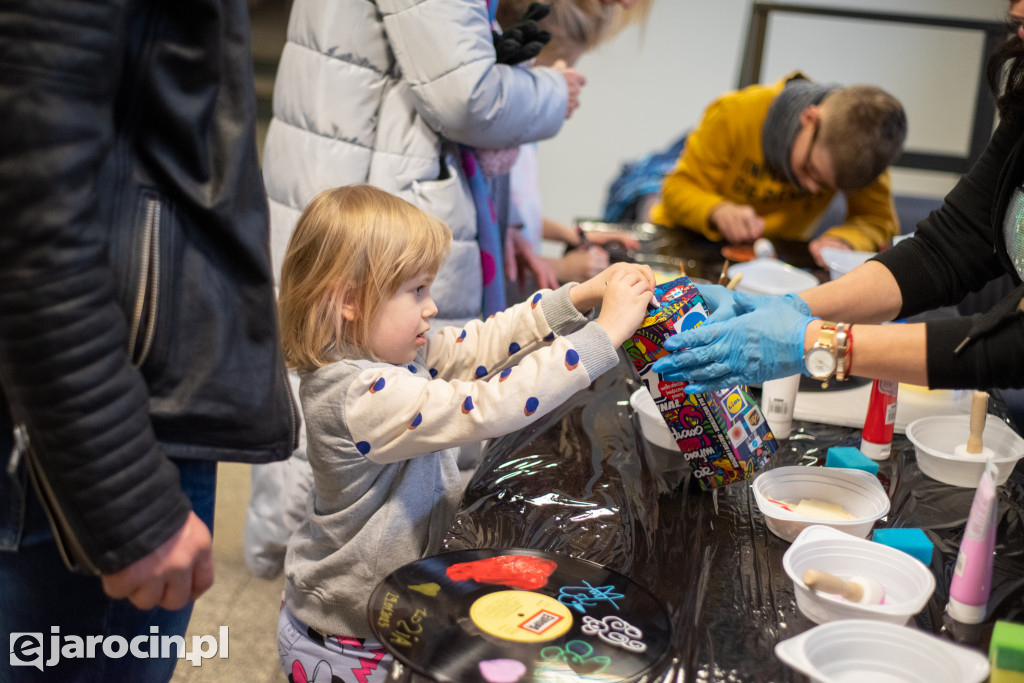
(864, 129)
(1005, 74)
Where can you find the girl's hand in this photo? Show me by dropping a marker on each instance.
(589, 294)
(623, 291)
(627, 294)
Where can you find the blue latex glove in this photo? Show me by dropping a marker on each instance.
(763, 341)
(719, 302)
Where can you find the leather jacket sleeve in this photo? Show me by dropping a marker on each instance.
(64, 368)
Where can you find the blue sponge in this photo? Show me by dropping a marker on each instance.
(847, 456)
(914, 542)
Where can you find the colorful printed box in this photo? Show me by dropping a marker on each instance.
(722, 435)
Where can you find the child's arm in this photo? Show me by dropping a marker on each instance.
(393, 414)
(396, 413)
(481, 348)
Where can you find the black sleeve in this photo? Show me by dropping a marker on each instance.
(64, 369)
(952, 252)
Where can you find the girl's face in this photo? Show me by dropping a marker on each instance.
(397, 333)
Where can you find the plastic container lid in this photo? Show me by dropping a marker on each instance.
(771, 276)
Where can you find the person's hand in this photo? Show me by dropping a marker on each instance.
(176, 573)
(817, 245)
(574, 80)
(627, 294)
(601, 237)
(764, 341)
(581, 264)
(737, 223)
(521, 260)
(524, 40)
(720, 302)
(589, 294)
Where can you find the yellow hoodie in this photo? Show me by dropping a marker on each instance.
(724, 161)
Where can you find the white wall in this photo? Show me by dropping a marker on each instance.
(651, 83)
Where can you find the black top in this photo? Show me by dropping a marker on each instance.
(956, 250)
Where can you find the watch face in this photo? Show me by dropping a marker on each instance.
(820, 362)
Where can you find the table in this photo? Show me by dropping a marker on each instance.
(583, 483)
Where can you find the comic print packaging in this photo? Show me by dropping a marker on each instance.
(722, 435)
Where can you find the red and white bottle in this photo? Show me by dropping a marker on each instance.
(876, 440)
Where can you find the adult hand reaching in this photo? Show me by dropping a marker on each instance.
(764, 340)
(581, 264)
(815, 247)
(521, 260)
(720, 302)
(176, 573)
(624, 238)
(737, 223)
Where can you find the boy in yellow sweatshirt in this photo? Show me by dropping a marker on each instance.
(768, 159)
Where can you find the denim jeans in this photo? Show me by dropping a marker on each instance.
(38, 594)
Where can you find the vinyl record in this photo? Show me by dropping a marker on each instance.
(508, 615)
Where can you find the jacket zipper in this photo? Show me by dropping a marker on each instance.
(294, 411)
(71, 550)
(148, 287)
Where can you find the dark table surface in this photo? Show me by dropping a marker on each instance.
(582, 483)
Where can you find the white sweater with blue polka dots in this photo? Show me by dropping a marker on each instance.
(383, 440)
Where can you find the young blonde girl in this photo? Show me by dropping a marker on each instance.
(388, 401)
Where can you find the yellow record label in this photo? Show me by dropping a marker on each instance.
(522, 616)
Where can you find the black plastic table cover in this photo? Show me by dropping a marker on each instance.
(583, 482)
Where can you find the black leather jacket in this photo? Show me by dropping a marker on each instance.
(137, 314)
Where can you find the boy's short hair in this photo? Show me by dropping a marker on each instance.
(864, 130)
(355, 244)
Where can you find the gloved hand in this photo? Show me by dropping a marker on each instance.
(524, 40)
(720, 304)
(718, 301)
(763, 341)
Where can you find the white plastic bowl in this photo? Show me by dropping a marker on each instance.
(771, 276)
(652, 424)
(858, 492)
(842, 261)
(858, 650)
(907, 582)
(936, 437)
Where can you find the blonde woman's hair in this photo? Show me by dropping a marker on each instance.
(355, 244)
(864, 130)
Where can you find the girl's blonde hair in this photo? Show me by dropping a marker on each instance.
(352, 245)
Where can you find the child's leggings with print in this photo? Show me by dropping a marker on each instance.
(307, 656)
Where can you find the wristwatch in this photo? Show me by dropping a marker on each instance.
(822, 358)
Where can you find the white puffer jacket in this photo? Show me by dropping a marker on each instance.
(380, 92)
